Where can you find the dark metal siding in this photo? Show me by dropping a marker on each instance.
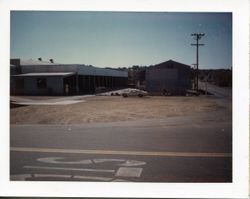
(172, 80)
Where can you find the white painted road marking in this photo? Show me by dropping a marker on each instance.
(69, 169)
(53, 160)
(20, 177)
(51, 176)
(120, 180)
(92, 178)
(122, 171)
(129, 172)
(23, 177)
(110, 152)
(127, 163)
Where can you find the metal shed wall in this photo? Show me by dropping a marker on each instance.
(173, 80)
(159, 79)
(54, 86)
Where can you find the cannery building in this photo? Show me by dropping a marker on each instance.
(37, 77)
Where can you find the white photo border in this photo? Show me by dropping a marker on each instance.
(237, 189)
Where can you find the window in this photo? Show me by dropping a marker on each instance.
(41, 83)
(19, 83)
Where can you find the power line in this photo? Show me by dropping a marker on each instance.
(197, 37)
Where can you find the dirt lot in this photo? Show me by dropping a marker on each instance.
(112, 109)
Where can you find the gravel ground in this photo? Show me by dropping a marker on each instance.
(114, 108)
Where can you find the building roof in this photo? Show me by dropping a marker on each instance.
(44, 74)
(90, 70)
(34, 62)
(79, 69)
(36, 66)
(170, 64)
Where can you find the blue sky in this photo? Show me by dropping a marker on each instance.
(121, 39)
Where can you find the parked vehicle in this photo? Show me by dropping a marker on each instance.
(134, 93)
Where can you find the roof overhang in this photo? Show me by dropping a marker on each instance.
(54, 74)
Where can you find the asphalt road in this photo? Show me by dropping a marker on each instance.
(182, 149)
(222, 92)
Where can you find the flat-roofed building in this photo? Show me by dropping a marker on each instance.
(37, 77)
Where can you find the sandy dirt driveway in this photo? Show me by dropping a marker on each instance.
(117, 108)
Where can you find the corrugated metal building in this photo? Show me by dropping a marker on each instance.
(169, 77)
(34, 77)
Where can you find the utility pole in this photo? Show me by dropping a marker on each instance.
(194, 75)
(194, 65)
(197, 37)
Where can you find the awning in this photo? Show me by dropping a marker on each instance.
(45, 74)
